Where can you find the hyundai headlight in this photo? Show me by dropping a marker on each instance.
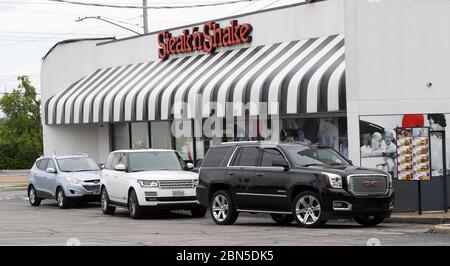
(148, 183)
(72, 180)
(334, 180)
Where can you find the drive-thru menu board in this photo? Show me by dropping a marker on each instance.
(413, 154)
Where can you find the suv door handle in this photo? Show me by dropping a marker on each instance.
(231, 174)
(259, 175)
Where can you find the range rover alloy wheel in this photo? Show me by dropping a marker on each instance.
(105, 203)
(223, 211)
(307, 210)
(135, 210)
(32, 197)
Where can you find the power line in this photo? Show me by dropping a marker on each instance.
(151, 7)
(51, 36)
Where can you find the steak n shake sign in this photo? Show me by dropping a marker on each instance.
(212, 37)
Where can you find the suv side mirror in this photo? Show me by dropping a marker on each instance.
(51, 170)
(281, 163)
(351, 162)
(190, 166)
(120, 167)
(102, 165)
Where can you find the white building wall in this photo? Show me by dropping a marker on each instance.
(66, 64)
(70, 62)
(393, 48)
(73, 139)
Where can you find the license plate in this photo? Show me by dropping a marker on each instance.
(178, 193)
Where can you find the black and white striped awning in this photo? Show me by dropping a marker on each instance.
(306, 76)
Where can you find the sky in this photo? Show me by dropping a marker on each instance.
(29, 28)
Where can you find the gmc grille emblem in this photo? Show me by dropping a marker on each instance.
(370, 183)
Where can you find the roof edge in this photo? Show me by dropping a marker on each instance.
(75, 40)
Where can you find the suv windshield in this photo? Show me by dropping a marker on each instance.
(304, 156)
(155, 161)
(77, 164)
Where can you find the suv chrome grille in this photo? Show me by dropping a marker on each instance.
(176, 184)
(362, 185)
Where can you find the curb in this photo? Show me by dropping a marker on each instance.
(440, 229)
(13, 188)
(418, 220)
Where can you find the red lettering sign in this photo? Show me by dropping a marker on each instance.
(212, 37)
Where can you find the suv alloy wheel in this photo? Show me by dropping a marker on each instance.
(307, 210)
(223, 211)
(61, 198)
(135, 210)
(32, 197)
(105, 203)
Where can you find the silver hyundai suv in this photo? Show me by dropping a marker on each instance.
(66, 178)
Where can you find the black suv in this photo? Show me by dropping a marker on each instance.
(308, 183)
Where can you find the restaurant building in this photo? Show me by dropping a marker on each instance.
(344, 73)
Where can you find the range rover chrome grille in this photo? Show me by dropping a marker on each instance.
(368, 185)
(176, 184)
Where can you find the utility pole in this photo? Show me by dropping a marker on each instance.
(145, 15)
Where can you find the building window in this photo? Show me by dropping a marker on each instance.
(121, 134)
(184, 143)
(161, 135)
(139, 136)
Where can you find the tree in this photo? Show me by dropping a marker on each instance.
(21, 129)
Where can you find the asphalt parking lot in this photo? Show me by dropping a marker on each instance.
(21, 224)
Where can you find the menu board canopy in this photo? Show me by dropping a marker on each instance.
(413, 154)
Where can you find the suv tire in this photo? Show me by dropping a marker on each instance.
(282, 219)
(105, 203)
(32, 197)
(307, 210)
(369, 221)
(199, 212)
(63, 201)
(223, 211)
(135, 210)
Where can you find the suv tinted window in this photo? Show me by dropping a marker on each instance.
(42, 164)
(270, 155)
(247, 156)
(215, 156)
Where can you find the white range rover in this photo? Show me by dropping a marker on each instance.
(141, 179)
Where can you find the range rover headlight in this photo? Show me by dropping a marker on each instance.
(148, 183)
(72, 180)
(334, 180)
(196, 183)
